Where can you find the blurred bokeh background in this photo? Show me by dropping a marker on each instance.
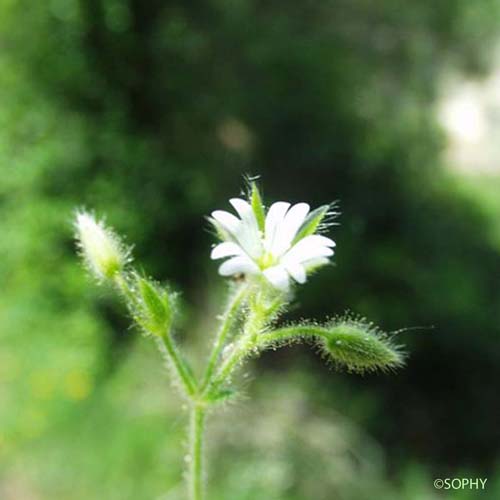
(151, 112)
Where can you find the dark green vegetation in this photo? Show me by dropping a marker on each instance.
(151, 112)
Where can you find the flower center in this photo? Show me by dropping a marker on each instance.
(267, 259)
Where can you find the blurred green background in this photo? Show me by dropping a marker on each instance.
(151, 112)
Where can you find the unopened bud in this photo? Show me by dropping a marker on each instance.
(102, 250)
(360, 347)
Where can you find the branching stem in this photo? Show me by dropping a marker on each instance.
(254, 324)
(227, 323)
(170, 352)
(165, 343)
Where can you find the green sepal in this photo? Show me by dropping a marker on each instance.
(257, 206)
(155, 308)
(312, 222)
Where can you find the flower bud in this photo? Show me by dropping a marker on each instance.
(102, 250)
(360, 347)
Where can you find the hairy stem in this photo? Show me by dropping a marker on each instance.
(254, 324)
(165, 343)
(225, 328)
(170, 352)
(123, 286)
(196, 445)
(292, 333)
(230, 364)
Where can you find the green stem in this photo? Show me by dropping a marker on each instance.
(227, 368)
(123, 286)
(253, 326)
(292, 333)
(196, 444)
(254, 339)
(165, 342)
(170, 353)
(227, 322)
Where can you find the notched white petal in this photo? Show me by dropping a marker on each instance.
(312, 264)
(228, 221)
(319, 239)
(278, 277)
(238, 265)
(287, 230)
(274, 218)
(303, 251)
(225, 249)
(297, 272)
(247, 233)
(242, 207)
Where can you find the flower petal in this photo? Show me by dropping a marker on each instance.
(248, 232)
(287, 230)
(227, 220)
(225, 249)
(306, 249)
(314, 252)
(318, 239)
(242, 207)
(238, 265)
(312, 264)
(278, 277)
(296, 271)
(312, 222)
(274, 218)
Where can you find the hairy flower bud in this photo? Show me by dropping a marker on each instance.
(360, 347)
(103, 251)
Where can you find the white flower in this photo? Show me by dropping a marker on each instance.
(279, 245)
(104, 253)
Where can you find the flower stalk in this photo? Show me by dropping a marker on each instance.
(269, 252)
(235, 303)
(196, 476)
(258, 318)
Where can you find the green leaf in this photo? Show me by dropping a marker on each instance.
(312, 222)
(257, 206)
